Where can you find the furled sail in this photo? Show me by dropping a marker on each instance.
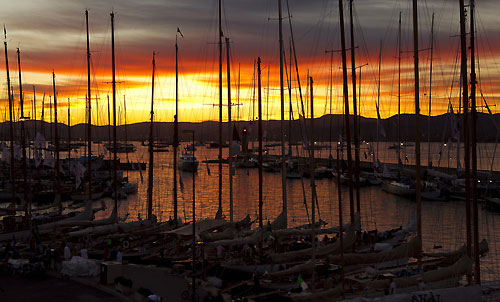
(411, 249)
(308, 231)
(330, 249)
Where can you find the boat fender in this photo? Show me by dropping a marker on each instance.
(125, 244)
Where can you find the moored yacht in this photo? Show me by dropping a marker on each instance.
(400, 188)
(188, 162)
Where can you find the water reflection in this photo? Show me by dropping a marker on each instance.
(443, 222)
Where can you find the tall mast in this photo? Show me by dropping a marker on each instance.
(23, 139)
(290, 108)
(11, 123)
(42, 118)
(56, 142)
(89, 110)
(219, 211)
(230, 132)
(417, 121)
(150, 175)
(254, 81)
(346, 109)
(378, 94)
(339, 192)
(267, 95)
(34, 109)
(238, 96)
(459, 166)
(292, 47)
(69, 136)
(329, 99)
(465, 104)
(194, 225)
(359, 100)
(125, 126)
(109, 123)
(355, 111)
(282, 123)
(253, 98)
(34, 135)
(50, 115)
(176, 124)
(109, 132)
(260, 143)
(115, 155)
(429, 161)
(477, 264)
(313, 184)
(399, 92)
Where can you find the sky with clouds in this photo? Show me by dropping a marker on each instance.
(51, 36)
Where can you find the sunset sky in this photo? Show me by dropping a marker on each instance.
(51, 36)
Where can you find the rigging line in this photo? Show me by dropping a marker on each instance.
(390, 20)
(364, 47)
(482, 38)
(364, 51)
(227, 31)
(447, 120)
(201, 76)
(75, 53)
(297, 150)
(455, 68)
(393, 80)
(497, 137)
(311, 59)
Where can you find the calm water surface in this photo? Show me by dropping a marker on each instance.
(443, 222)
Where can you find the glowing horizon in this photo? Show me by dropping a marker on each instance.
(48, 45)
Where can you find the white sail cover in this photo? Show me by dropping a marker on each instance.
(79, 267)
(49, 160)
(78, 171)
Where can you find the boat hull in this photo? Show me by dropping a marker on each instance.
(398, 190)
(189, 166)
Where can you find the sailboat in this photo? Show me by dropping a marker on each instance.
(121, 147)
(94, 194)
(396, 185)
(404, 187)
(161, 147)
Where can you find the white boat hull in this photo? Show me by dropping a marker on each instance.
(398, 190)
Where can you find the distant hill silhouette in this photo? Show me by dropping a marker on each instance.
(208, 130)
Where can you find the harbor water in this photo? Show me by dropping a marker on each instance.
(443, 223)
